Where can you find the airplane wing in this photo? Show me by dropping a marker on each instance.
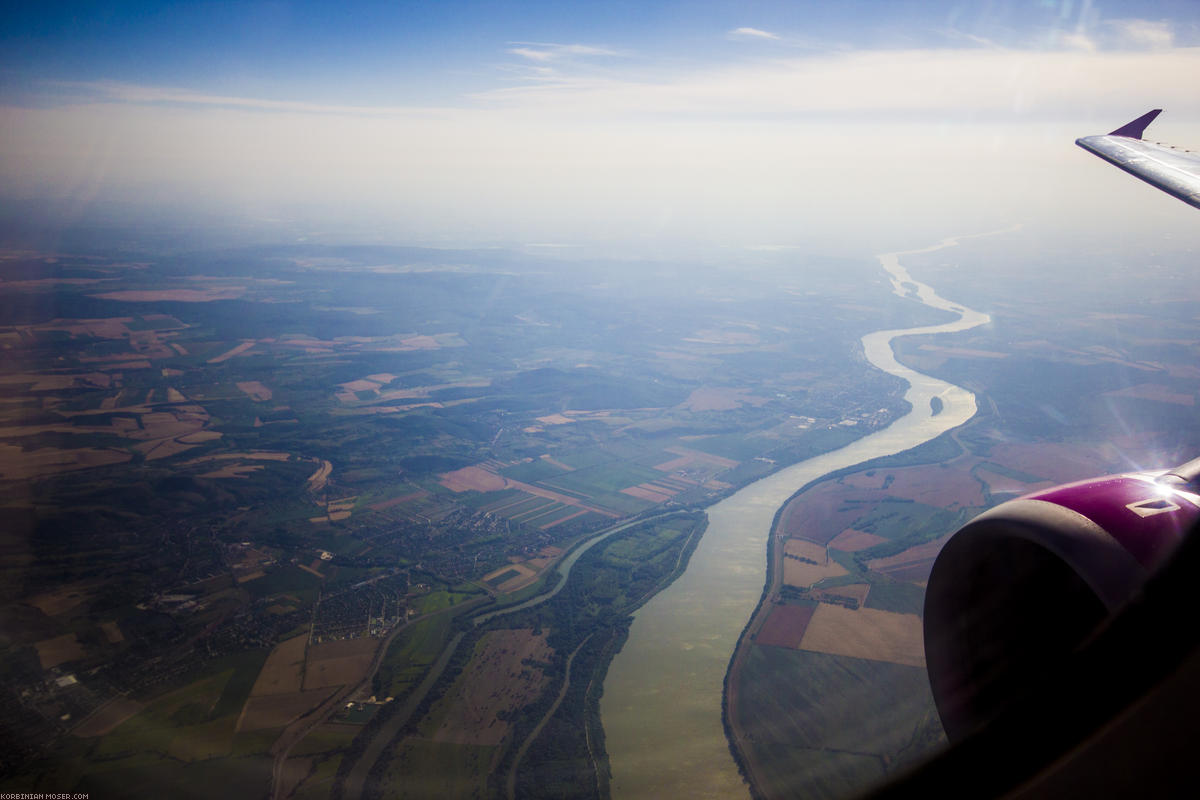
(1174, 170)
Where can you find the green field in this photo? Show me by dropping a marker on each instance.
(427, 770)
(410, 654)
(603, 478)
(798, 707)
(533, 471)
(904, 598)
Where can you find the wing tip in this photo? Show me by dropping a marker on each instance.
(1137, 127)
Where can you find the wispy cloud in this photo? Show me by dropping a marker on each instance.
(957, 81)
(752, 33)
(548, 51)
(1141, 33)
(117, 92)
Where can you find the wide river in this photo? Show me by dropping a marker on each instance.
(661, 707)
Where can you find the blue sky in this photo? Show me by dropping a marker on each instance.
(397, 53)
(467, 122)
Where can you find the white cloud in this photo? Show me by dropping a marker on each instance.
(1141, 33)
(1078, 41)
(545, 51)
(753, 33)
(531, 54)
(849, 147)
(115, 91)
(958, 82)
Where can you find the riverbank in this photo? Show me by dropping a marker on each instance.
(878, 349)
(667, 685)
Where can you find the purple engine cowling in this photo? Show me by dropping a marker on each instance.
(1023, 584)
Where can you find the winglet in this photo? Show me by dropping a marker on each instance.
(1135, 129)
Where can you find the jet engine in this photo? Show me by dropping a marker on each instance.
(1022, 586)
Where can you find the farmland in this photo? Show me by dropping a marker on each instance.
(826, 692)
(229, 479)
(206, 456)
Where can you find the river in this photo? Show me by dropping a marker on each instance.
(661, 707)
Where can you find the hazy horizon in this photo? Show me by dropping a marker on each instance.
(664, 129)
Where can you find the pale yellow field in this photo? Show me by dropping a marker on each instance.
(339, 663)
(516, 582)
(236, 351)
(107, 717)
(112, 632)
(799, 573)
(317, 481)
(806, 549)
(866, 633)
(283, 671)
(255, 390)
(60, 649)
(62, 599)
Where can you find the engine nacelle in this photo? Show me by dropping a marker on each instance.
(1024, 584)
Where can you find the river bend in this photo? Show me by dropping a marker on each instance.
(661, 707)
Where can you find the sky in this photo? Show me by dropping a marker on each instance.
(654, 127)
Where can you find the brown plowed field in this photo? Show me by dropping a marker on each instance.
(175, 295)
(494, 682)
(698, 455)
(278, 710)
(642, 492)
(255, 390)
(822, 512)
(785, 626)
(560, 521)
(470, 479)
(851, 541)
(283, 671)
(1054, 461)
(913, 556)
(338, 663)
(1002, 484)
(944, 487)
(60, 649)
(395, 501)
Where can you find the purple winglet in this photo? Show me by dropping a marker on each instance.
(1135, 129)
